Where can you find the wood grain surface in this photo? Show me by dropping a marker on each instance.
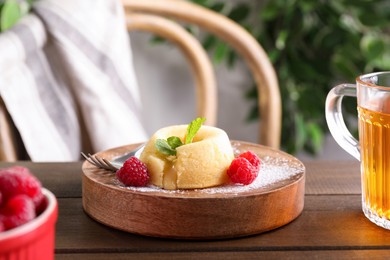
(331, 226)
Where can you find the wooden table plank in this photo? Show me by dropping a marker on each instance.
(330, 177)
(331, 226)
(63, 179)
(327, 223)
(292, 255)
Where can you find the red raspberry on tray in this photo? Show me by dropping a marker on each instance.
(133, 173)
(244, 168)
(252, 158)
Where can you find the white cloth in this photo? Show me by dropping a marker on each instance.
(66, 59)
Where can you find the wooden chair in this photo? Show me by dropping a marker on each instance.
(8, 142)
(156, 16)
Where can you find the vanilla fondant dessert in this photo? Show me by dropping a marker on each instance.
(188, 156)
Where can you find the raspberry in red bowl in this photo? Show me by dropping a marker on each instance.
(34, 239)
(28, 214)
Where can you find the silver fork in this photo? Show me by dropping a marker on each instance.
(114, 164)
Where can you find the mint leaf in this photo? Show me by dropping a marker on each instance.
(193, 128)
(174, 142)
(168, 147)
(163, 147)
(10, 14)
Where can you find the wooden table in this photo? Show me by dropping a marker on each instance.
(331, 226)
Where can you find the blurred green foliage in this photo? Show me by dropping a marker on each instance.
(313, 45)
(11, 11)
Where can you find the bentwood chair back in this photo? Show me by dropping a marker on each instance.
(159, 17)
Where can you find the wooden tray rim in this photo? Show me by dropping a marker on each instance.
(297, 177)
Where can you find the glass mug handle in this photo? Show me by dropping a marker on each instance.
(335, 120)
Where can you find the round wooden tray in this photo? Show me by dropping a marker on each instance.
(272, 201)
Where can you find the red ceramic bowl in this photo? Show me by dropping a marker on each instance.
(35, 239)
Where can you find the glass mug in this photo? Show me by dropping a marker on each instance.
(373, 148)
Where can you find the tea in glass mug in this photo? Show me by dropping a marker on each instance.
(373, 147)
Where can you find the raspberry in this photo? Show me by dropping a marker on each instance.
(252, 158)
(242, 171)
(2, 228)
(18, 210)
(19, 180)
(133, 173)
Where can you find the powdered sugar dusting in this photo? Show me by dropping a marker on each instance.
(272, 171)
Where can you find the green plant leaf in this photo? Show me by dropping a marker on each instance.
(168, 147)
(315, 135)
(300, 132)
(281, 40)
(372, 20)
(174, 142)
(344, 65)
(307, 6)
(193, 128)
(239, 12)
(231, 59)
(221, 51)
(269, 12)
(251, 93)
(163, 147)
(313, 45)
(253, 114)
(380, 63)
(209, 42)
(10, 14)
(372, 46)
(201, 2)
(274, 55)
(157, 39)
(217, 7)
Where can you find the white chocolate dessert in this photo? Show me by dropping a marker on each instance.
(200, 164)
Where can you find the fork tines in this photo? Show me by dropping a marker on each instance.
(99, 162)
